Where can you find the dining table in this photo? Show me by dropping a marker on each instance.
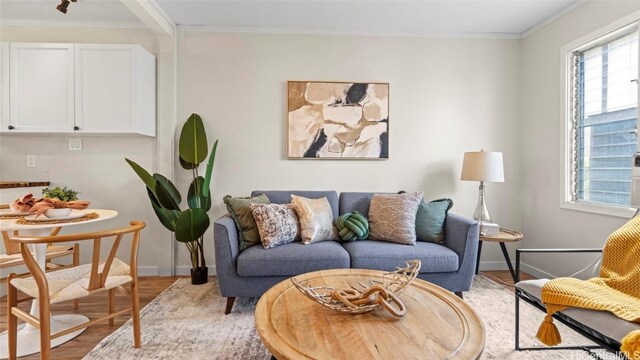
(29, 336)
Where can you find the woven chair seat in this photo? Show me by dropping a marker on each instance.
(69, 284)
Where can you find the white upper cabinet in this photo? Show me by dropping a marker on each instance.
(4, 85)
(115, 89)
(81, 89)
(41, 87)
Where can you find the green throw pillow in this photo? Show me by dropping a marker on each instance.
(240, 211)
(430, 220)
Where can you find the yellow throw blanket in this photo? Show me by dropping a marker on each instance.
(616, 290)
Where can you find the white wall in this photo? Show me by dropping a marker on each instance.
(447, 96)
(543, 222)
(99, 171)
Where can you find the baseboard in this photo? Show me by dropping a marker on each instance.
(154, 271)
(535, 272)
(493, 265)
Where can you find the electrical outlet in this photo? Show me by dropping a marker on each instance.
(75, 144)
(31, 161)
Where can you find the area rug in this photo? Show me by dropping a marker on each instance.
(187, 322)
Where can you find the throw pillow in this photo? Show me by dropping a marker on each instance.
(352, 226)
(392, 217)
(277, 224)
(430, 220)
(316, 219)
(240, 211)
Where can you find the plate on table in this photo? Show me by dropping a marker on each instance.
(9, 212)
(75, 214)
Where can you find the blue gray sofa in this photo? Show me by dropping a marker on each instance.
(253, 271)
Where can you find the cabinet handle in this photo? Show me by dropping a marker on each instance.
(76, 128)
(11, 127)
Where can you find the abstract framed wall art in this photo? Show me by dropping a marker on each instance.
(337, 120)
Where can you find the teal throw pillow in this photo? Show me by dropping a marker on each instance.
(240, 211)
(430, 220)
(352, 226)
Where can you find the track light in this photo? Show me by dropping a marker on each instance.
(64, 5)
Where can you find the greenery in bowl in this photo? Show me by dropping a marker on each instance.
(63, 194)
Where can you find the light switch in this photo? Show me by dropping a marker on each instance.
(31, 161)
(75, 144)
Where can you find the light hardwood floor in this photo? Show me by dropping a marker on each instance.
(150, 287)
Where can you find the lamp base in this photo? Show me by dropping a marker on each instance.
(482, 213)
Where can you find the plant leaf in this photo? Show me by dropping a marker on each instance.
(166, 193)
(191, 225)
(168, 218)
(186, 165)
(195, 197)
(193, 141)
(209, 172)
(146, 178)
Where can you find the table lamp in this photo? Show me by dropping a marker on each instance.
(482, 166)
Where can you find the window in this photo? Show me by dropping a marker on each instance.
(603, 108)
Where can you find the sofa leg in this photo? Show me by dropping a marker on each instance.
(230, 301)
(459, 294)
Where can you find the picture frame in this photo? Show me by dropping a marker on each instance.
(337, 120)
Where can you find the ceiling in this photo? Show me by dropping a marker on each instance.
(509, 18)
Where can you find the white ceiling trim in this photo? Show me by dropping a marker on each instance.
(461, 35)
(39, 23)
(152, 16)
(552, 18)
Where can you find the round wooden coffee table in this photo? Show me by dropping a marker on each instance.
(438, 324)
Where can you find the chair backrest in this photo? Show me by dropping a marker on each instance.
(98, 277)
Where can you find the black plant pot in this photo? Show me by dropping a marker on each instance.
(199, 276)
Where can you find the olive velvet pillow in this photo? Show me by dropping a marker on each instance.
(240, 211)
(430, 220)
(392, 217)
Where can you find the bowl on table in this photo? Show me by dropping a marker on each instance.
(57, 213)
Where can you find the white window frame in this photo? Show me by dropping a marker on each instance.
(566, 172)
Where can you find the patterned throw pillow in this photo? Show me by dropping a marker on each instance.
(240, 211)
(277, 224)
(392, 217)
(316, 219)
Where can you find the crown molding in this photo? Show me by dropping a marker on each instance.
(457, 35)
(79, 24)
(151, 15)
(552, 18)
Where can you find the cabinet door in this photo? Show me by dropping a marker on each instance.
(105, 88)
(4, 87)
(41, 87)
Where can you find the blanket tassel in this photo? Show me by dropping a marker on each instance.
(548, 333)
(631, 345)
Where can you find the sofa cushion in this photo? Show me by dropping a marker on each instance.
(292, 259)
(355, 201)
(603, 322)
(284, 197)
(430, 220)
(377, 255)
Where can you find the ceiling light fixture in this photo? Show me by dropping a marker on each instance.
(64, 5)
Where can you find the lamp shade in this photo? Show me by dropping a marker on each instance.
(482, 166)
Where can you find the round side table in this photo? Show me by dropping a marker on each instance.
(504, 236)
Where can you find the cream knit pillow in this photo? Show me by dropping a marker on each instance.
(392, 217)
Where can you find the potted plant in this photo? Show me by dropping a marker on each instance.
(62, 194)
(190, 224)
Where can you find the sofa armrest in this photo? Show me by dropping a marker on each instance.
(225, 239)
(462, 236)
